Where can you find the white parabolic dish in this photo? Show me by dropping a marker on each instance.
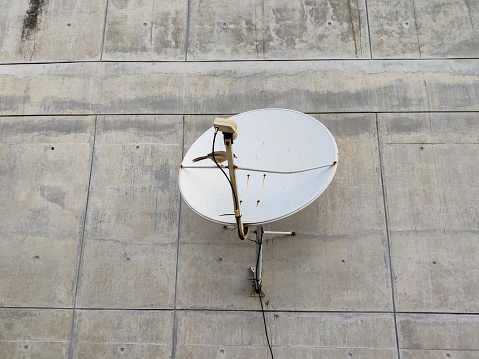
(268, 139)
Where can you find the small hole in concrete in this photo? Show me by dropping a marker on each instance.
(128, 259)
(36, 258)
(406, 23)
(276, 316)
(224, 24)
(421, 148)
(329, 23)
(343, 261)
(25, 347)
(220, 259)
(53, 148)
(69, 25)
(144, 24)
(137, 147)
(222, 351)
(434, 262)
(448, 355)
(267, 302)
(350, 355)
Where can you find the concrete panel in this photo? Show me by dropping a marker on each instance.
(50, 31)
(45, 168)
(293, 335)
(226, 30)
(412, 189)
(435, 272)
(132, 223)
(431, 198)
(424, 29)
(429, 189)
(114, 334)
(134, 195)
(393, 29)
(282, 29)
(339, 251)
(318, 29)
(116, 274)
(232, 87)
(145, 30)
(34, 333)
(438, 336)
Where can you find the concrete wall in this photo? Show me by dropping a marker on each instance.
(100, 100)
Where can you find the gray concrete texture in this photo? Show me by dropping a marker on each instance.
(100, 257)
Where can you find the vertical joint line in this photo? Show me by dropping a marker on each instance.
(80, 257)
(175, 321)
(71, 335)
(188, 14)
(104, 31)
(387, 235)
(369, 31)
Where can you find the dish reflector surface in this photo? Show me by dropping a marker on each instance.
(268, 139)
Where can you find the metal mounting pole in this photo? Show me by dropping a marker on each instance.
(258, 268)
(242, 230)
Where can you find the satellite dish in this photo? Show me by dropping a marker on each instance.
(285, 160)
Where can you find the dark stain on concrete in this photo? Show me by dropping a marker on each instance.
(44, 129)
(164, 178)
(31, 20)
(53, 194)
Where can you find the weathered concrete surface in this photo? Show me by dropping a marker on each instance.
(430, 173)
(438, 336)
(125, 333)
(439, 128)
(153, 280)
(424, 29)
(293, 335)
(331, 261)
(132, 220)
(232, 87)
(145, 30)
(44, 171)
(51, 31)
(34, 333)
(251, 30)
